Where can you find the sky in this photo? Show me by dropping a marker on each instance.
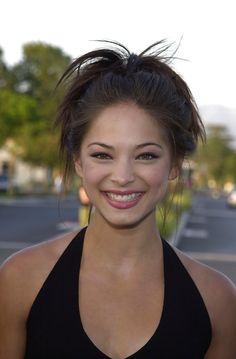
(206, 29)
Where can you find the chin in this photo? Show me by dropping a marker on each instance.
(123, 226)
(127, 222)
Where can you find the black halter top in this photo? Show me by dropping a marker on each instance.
(55, 330)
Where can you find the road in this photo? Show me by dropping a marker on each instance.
(209, 234)
(26, 221)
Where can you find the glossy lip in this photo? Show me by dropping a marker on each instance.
(122, 205)
(126, 192)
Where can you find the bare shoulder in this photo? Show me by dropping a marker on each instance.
(211, 283)
(23, 274)
(219, 295)
(21, 277)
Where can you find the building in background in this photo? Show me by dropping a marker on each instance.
(17, 175)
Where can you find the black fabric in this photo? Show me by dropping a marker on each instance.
(55, 331)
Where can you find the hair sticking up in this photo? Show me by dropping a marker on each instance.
(111, 75)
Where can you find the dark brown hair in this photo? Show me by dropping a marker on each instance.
(111, 75)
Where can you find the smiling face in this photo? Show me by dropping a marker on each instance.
(125, 165)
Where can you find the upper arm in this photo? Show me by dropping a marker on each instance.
(223, 316)
(219, 295)
(21, 278)
(12, 313)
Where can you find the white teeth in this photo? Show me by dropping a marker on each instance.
(123, 198)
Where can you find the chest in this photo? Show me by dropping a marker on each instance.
(120, 316)
(101, 319)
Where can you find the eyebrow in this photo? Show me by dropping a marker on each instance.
(138, 146)
(149, 144)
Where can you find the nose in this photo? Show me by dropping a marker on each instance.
(123, 172)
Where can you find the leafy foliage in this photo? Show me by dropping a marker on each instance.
(28, 105)
(28, 101)
(16, 111)
(217, 158)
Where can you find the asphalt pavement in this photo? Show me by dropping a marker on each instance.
(208, 233)
(29, 220)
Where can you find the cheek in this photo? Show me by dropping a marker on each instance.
(92, 175)
(158, 176)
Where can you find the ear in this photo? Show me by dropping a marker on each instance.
(78, 167)
(175, 170)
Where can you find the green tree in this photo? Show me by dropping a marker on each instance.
(217, 159)
(231, 166)
(7, 78)
(16, 111)
(35, 78)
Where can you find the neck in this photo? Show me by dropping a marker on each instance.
(119, 248)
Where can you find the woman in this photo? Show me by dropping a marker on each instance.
(117, 289)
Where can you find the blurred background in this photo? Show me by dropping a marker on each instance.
(39, 39)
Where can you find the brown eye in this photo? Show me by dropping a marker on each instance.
(147, 156)
(101, 156)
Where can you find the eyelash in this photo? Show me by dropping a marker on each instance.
(101, 156)
(147, 156)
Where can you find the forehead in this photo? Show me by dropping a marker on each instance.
(125, 121)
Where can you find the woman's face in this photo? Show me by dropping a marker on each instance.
(125, 165)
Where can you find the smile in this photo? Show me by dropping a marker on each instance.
(125, 197)
(125, 200)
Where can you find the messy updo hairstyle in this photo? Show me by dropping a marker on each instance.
(112, 75)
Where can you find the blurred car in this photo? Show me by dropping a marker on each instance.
(231, 199)
(4, 183)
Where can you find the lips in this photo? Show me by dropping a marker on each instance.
(123, 200)
(123, 197)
